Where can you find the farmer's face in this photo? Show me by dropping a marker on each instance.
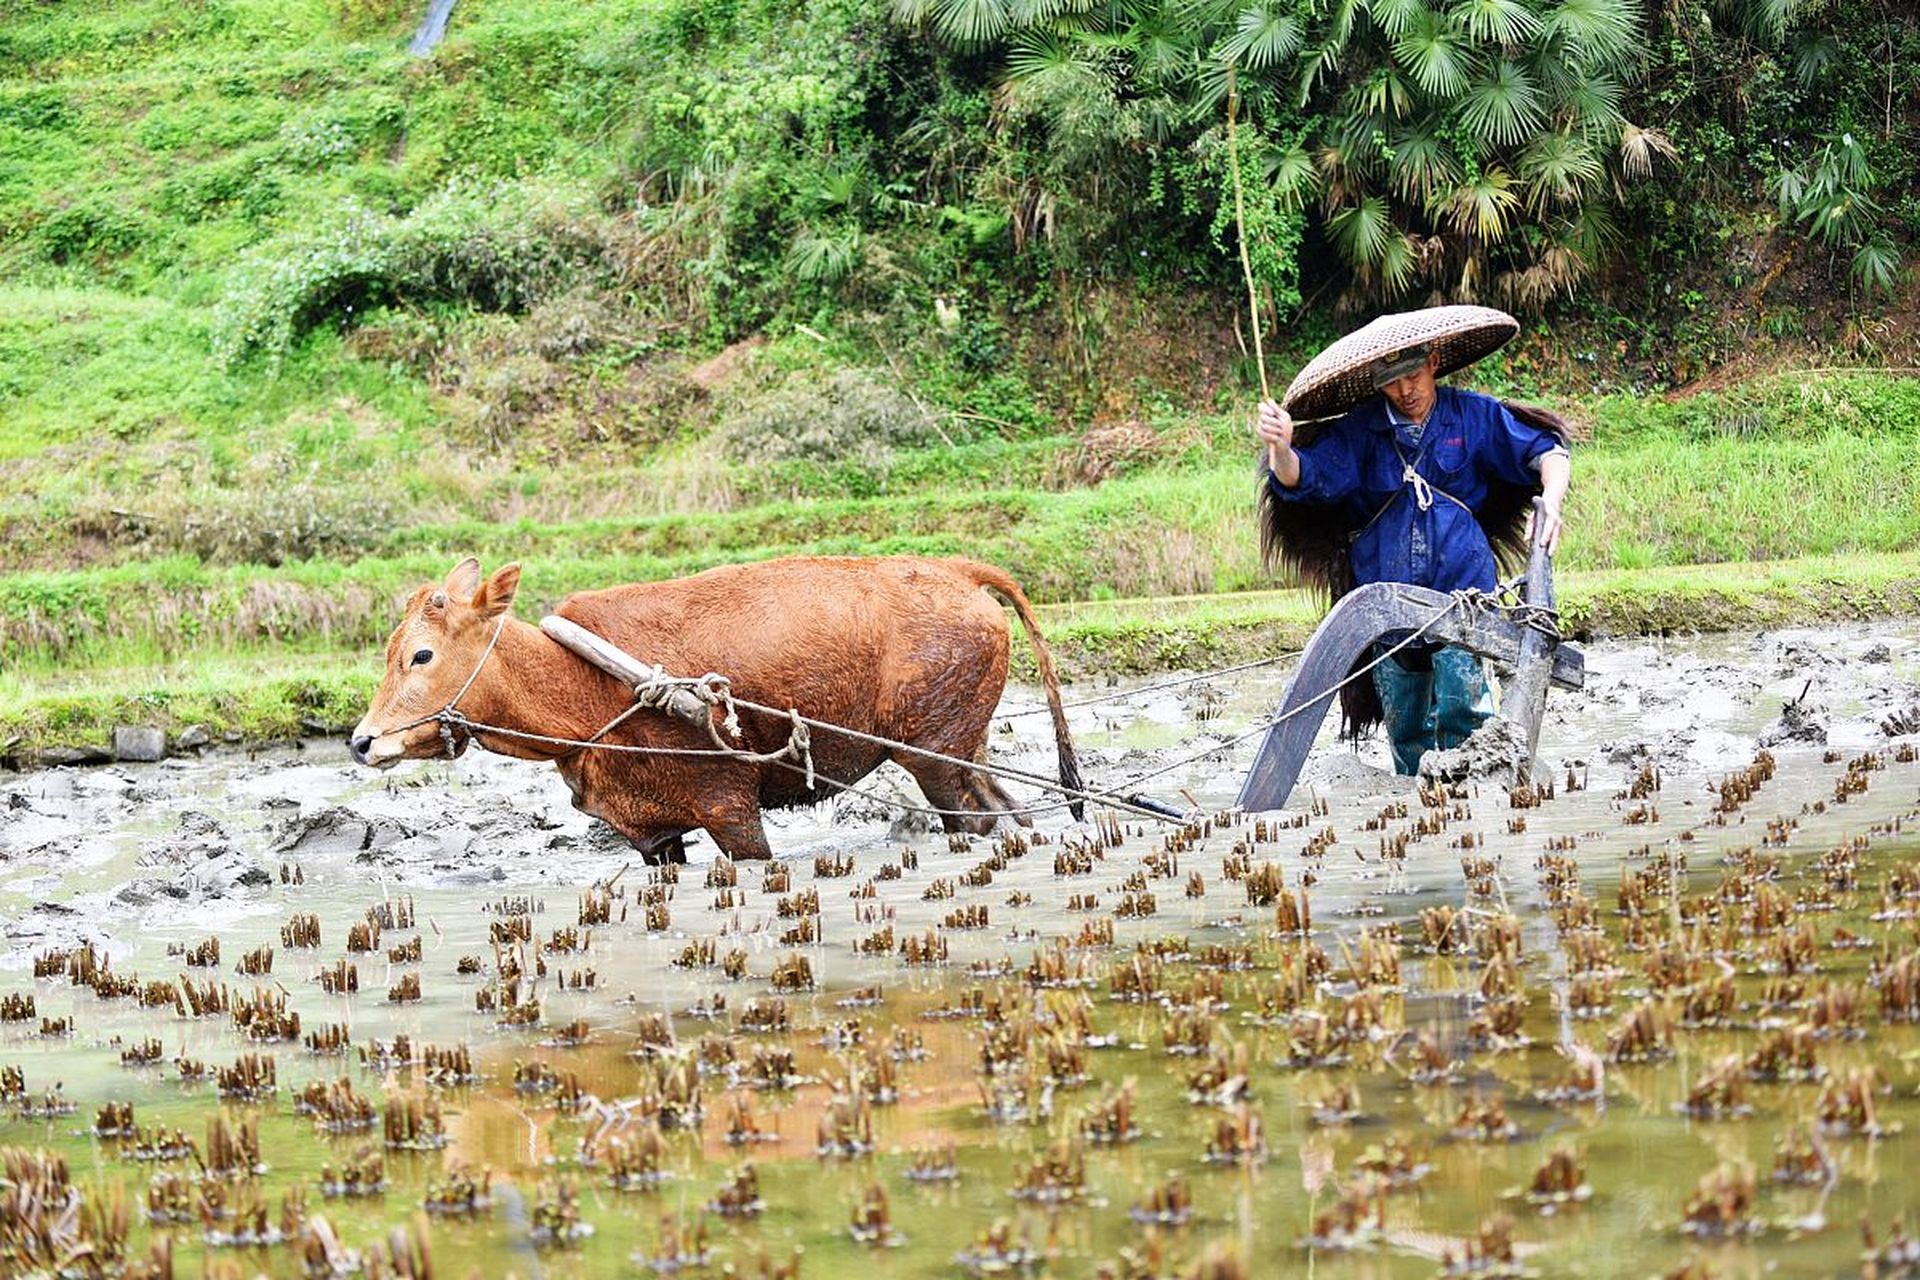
(1413, 394)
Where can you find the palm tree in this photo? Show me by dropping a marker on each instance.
(1467, 147)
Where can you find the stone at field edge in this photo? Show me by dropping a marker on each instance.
(138, 743)
(75, 755)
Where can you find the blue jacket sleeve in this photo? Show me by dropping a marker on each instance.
(1512, 445)
(1329, 470)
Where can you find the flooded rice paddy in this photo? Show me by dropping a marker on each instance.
(1658, 1012)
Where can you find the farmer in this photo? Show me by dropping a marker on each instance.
(1415, 483)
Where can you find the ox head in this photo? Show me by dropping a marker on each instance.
(438, 645)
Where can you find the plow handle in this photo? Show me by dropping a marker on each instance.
(1524, 701)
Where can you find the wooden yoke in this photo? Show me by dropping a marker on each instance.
(1523, 638)
(681, 703)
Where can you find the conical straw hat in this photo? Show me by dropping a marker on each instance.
(1342, 375)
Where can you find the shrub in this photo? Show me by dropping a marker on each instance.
(368, 15)
(845, 417)
(314, 142)
(580, 323)
(265, 524)
(90, 231)
(494, 246)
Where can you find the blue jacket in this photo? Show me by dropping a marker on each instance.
(1420, 532)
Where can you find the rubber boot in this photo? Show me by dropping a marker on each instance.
(1407, 697)
(1462, 702)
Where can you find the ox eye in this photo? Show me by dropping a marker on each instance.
(423, 657)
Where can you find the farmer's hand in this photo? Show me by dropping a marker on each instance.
(1550, 525)
(1274, 426)
(1556, 471)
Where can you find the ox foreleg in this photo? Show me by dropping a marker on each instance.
(739, 832)
(730, 815)
(656, 842)
(662, 849)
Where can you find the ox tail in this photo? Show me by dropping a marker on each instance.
(1002, 584)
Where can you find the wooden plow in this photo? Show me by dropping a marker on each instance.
(1524, 638)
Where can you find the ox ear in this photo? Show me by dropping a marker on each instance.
(496, 597)
(464, 579)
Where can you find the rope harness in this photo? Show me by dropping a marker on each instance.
(677, 695)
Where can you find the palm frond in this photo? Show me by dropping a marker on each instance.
(1420, 164)
(1851, 165)
(1876, 265)
(1290, 171)
(1591, 234)
(911, 13)
(1436, 54)
(1362, 233)
(1639, 146)
(825, 258)
(1162, 57)
(1790, 189)
(1557, 270)
(1765, 20)
(1065, 83)
(1211, 83)
(1558, 169)
(1397, 259)
(1030, 13)
(1481, 208)
(1039, 55)
(839, 185)
(1384, 94)
(1501, 107)
(1591, 104)
(1344, 175)
(1812, 54)
(1602, 34)
(1326, 55)
(1198, 15)
(1340, 20)
(1264, 35)
(1837, 219)
(1396, 16)
(971, 22)
(1506, 21)
(1359, 137)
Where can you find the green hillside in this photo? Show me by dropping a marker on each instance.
(290, 316)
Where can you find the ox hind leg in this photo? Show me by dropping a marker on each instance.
(970, 801)
(989, 795)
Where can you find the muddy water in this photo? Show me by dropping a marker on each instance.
(145, 861)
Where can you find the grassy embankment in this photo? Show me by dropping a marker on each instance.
(186, 538)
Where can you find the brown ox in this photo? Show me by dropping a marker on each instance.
(902, 648)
